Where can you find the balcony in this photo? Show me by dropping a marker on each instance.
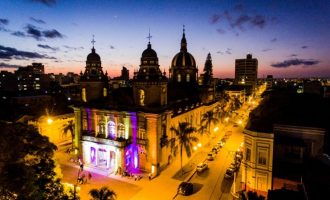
(118, 142)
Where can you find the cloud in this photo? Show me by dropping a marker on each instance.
(293, 55)
(294, 62)
(228, 51)
(221, 31)
(18, 34)
(73, 48)
(12, 53)
(112, 47)
(258, 21)
(38, 34)
(48, 47)
(304, 47)
(214, 18)
(45, 2)
(220, 52)
(4, 22)
(39, 21)
(6, 65)
(52, 34)
(273, 40)
(265, 50)
(33, 31)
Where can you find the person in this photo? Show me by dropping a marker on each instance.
(89, 176)
(149, 176)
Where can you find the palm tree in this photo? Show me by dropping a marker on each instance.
(103, 193)
(69, 127)
(185, 138)
(209, 118)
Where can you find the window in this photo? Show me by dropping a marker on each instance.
(188, 78)
(179, 78)
(83, 95)
(262, 158)
(105, 92)
(141, 133)
(248, 154)
(121, 130)
(111, 129)
(141, 97)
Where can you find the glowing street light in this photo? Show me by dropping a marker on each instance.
(216, 129)
(49, 120)
(199, 145)
(240, 122)
(226, 119)
(195, 148)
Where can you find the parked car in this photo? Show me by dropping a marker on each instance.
(229, 173)
(201, 167)
(185, 188)
(210, 156)
(215, 149)
(235, 166)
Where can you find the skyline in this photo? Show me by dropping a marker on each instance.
(287, 38)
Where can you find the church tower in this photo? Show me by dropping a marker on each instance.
(94, 83)
(183, 68)
(149, 84)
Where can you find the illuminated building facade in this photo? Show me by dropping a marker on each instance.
(123, 130)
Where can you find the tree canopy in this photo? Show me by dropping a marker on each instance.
(26, 165)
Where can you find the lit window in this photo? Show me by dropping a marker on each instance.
(141, 97)
(188, 78)
(121, 130)
(112, 129)
(179, 78)
(105, 92)
(262, 158)
(83, 95)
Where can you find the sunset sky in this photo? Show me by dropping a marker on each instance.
(289, 38)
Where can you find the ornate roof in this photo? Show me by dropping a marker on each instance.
(93, 57)
(183, 58)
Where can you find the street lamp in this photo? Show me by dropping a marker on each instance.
(49, 120)
(199, 145)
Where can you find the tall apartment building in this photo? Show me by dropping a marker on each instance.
(246, 71)
(30, 78)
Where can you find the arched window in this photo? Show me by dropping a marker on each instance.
(105, 92)
(112, 129)
(179, 78)
(121, 130)
(83, 95)
(141, 97)
(188, 78)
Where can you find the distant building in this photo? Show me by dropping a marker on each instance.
(8, 82)
(32, 79)
(120, 81)
(269, 82)
(246, 71)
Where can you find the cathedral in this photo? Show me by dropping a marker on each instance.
(124, 128)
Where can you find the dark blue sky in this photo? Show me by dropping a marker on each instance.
(289, 38)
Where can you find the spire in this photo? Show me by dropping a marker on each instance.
(183, 41)
(149, 37)
(93, 42)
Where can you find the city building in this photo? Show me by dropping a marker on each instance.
(246, 72)
(32, 79)
(127, 128)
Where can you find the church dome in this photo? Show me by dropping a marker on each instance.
(183, 59)
(149, 53)
(93, 57)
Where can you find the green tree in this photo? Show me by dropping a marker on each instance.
(103, 193)
(69, 127)
(26, 165)
(209, 118)
(184, 136)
